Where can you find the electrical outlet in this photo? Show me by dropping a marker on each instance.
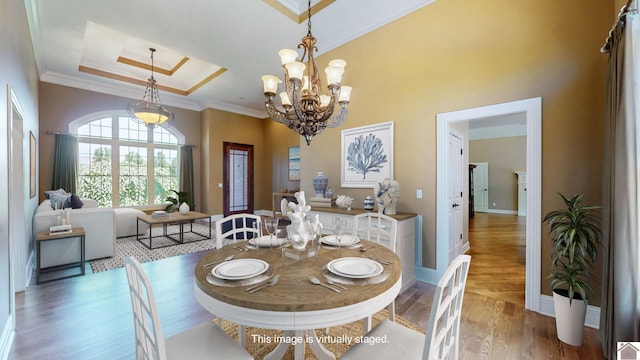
(219, 185)
(419, 194)
(494, 205)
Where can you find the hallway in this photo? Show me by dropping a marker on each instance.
(498, 249)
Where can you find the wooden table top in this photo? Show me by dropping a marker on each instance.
(294, 292)
(45, 235)
(173, 217)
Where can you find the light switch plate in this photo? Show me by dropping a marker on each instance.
(419, 194)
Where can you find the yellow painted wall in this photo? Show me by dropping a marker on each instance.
(460, 54)
(218, 127)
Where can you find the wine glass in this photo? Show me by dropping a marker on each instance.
(339, 226)
(271, 225)
(284, 242)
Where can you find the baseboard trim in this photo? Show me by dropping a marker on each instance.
(503, 212)
(426, 275)
(592, 319)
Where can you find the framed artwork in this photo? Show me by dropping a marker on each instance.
(366, 155)
(32, 164)
(294, 163)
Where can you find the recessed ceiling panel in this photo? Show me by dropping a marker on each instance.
(118, 56)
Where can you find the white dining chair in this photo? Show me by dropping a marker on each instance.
(382, 229)
(204, 341)
(442, 337)
(237, 227)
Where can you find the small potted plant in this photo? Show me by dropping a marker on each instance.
(175, 202)
(575, 238)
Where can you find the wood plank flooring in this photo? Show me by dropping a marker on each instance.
(90, 317)
(498, 250)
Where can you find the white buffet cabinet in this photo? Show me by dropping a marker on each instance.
(405, 241)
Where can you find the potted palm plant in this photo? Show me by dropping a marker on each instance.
(575, 238)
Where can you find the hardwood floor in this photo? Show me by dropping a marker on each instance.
(90, 317)
(498, 250)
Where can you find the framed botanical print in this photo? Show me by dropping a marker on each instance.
(367, 155)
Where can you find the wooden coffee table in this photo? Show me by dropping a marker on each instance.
(172, 218)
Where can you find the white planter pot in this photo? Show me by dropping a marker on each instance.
(184, 208)
(569, 319)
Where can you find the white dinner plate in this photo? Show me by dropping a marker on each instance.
(266, 241)
(346, 240)
(355, 267)
(240, 269)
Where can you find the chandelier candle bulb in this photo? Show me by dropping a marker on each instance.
(295, 70)
(334, 74)
(270, 84)
(345, 94)
(325, 100)
(284, 98)
(287, 56)
(338, 63)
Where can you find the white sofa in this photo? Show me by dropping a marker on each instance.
(99, 225)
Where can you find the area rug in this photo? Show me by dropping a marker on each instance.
(129, 246)
(262, 341)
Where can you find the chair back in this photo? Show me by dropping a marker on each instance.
(376, 227)
(237, 227)
(149, 338)
(444, 322)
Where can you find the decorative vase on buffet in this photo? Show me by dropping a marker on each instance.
(387, 194)
(328, 193)
(320, 183)
(184, 208)
(369, 203)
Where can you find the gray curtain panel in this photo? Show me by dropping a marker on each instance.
(186, 173)
(620, 306)
(65, 163)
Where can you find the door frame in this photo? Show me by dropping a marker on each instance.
(532, 108)
(226, 146)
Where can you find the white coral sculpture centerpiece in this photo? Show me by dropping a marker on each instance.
(301, 230)
(344, 201)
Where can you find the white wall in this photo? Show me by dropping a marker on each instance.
(17, 70)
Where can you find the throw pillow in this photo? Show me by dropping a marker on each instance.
(58, 200)
(75, 202)
(55, 192)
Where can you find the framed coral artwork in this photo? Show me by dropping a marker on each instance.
(367, 155)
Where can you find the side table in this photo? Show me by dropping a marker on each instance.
(43, 236)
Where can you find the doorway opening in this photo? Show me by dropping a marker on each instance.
(532, 110)
(237, 176)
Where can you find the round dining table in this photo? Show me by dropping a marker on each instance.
(294, 304)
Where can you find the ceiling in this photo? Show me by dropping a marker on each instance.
(210, 53)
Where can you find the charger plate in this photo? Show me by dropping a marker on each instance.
(266, 241)
(238, 283)
(347, 240)
(349, 281)
(355, 267)
(239, 269)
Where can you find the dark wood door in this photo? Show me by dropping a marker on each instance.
(237, 175)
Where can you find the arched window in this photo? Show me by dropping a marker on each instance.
(125, 163)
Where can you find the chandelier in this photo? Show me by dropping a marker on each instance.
(149, 110)
(306, 111)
